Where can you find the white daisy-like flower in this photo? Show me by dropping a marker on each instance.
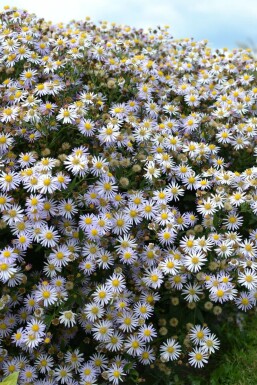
(153, 278)
(67, 115)
(102, 295)
(7, 270)
(32, 340)
(192, 292)
(63, 374)
(120, 223)
(87, 127)
(74, 359)
(167, 235)
(102, 330)
(143, 310)
(44, 363)
(9, 113)
(67, 208)
(116, 283)
(134, 345)
(67, 318)
(115, 341)
(35, 326)
(94, 311)
(48, 236)
(210, 343)
(198, 333)
(115, 374)
(194, 261)
(198, 357)
(170, 350)
(5, 202)
(151, 171)
(108, 134)
(170, 265)
(47, 184)
(127, 321)
(9, 181)
(5, 141)
(60, 256)
(77, 164)
(147, 356)
(147, 333)
(245, 301)
(46, 293)
(207, 207)
(248, 278)
(23, 241)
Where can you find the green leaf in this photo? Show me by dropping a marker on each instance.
(216, 220)
(11, 379)
(245, 207)
(81, 235)
(199, 315)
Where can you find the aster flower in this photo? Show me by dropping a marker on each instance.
(167, 235)
(44, 363)
(248, 279)
(115, 374)
(108, 134)
(106, 189)
(9, 181)
(102, 330)
(60, 256)
(192, 292)
(170, 350)
(198, 357)
(46, 293)
(153, 278)
(36, 327)
(93, 311)
(48, 236)
(147, 333)
(210, 343)
(4, 202)
(77, 164)
(67, 318)
(67, 208)
(120, 223)
(74, 358)
(151, 171)
(67, 115)
(122, 199)
(115, 342)
(198, 334)
(170, 266)
(133, 345)
(127, 321)
(102, 295)
(63, 374)
(47, 183)
(194, 260)
(8, 114)
(143, 310)
(7, 270)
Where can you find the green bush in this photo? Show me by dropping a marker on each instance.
(128, 201)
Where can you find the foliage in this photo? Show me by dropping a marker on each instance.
(11, 379)
(128, 202)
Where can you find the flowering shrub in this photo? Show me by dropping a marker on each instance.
(127, 196)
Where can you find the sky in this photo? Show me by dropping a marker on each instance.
(224, 23)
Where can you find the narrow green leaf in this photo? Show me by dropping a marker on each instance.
(11, 379)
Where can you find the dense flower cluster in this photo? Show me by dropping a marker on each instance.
(128, 190)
